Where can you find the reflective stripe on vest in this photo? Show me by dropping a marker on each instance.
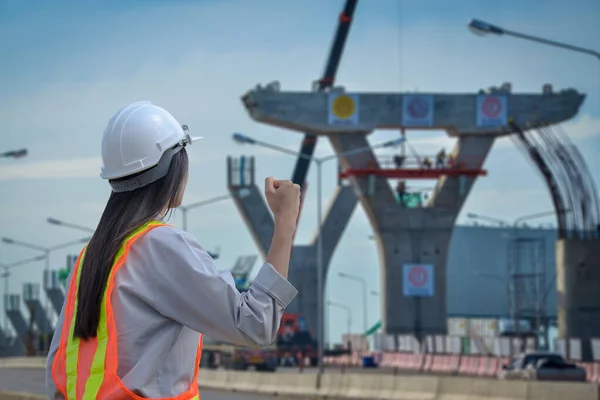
(87, 369)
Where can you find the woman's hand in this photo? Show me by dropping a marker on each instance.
(283, 198)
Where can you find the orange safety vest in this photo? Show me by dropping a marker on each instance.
(87, 370)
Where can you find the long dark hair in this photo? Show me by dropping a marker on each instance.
(124, 213)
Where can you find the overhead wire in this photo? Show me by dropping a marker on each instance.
(533, 154)
(588, 184)
(572, 187)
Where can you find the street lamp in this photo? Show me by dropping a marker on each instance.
(349, 314)
(243, 139)
(186, 208)
(54, 221)
(482, 28)
(486, 218)
(529, 217)
(517, 221)
(6, 274)
(14, 153)
(364, 286)
(47, 251)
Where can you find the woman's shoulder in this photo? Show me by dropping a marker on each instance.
(165, 244)
(167, 233)
(168, 236)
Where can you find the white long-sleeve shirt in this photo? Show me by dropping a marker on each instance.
(166, 294)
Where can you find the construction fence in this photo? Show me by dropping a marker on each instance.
(464, 356)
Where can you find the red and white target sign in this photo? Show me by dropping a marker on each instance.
(491, 111)
(417, 110)
(418, 280)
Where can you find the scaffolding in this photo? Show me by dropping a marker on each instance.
(527, 272)
(415, 167)
(240, 171)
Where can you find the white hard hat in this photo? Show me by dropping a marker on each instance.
(136, 139)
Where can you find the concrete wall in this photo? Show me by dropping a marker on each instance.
(578, 284)
(485, 250)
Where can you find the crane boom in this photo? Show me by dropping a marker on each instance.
(309, 143)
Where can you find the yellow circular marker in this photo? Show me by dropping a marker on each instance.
(343, 107)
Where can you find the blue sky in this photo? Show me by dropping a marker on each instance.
(67, 66)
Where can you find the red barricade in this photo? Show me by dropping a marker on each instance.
(387, 360)
(427, 363)
(469, 365)
(356, 359)
(487, 366)
(592, 370)
(445, 364)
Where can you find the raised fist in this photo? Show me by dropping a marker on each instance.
(283, 198)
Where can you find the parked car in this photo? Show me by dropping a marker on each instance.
(537, 366)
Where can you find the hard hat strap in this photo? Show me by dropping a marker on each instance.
(144, 178)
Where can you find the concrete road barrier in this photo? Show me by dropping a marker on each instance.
(562, 390)
(23, 362)
(416, 387)
(290, 384)
(6, 395)
(459, 388)
(390, 387)
(361, 386)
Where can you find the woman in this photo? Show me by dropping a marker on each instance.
(143, 293)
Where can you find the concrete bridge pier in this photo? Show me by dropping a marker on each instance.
(417, 236)
(15, 316)
(578, 291)
(249, 201)
(53, 290)
(31, 295)
(408, 236)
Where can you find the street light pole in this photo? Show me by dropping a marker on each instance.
(528, 217)
(243, 139)
(6, 275)
(46, 251)
(486, 218)
(349, 314)
(54, 221)
(364, 287)
(186, 208)
(481, 28)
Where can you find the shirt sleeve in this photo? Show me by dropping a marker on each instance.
(180, 281)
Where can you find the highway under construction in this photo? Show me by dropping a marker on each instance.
(412, 232)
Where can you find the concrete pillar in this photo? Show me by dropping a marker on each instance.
(54, 290)
(249, 200)
(31, 295)
(578, 291)
(410, 235)
(13, 310)
(413, 235)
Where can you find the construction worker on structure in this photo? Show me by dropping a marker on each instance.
(427, 162)
(143, 293)
(440, 159)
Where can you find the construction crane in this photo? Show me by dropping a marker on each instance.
(309, 143)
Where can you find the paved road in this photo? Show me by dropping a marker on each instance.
(32, 381)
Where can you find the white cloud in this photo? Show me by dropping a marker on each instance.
(584, 127)
(52, 169)
(89, 167)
